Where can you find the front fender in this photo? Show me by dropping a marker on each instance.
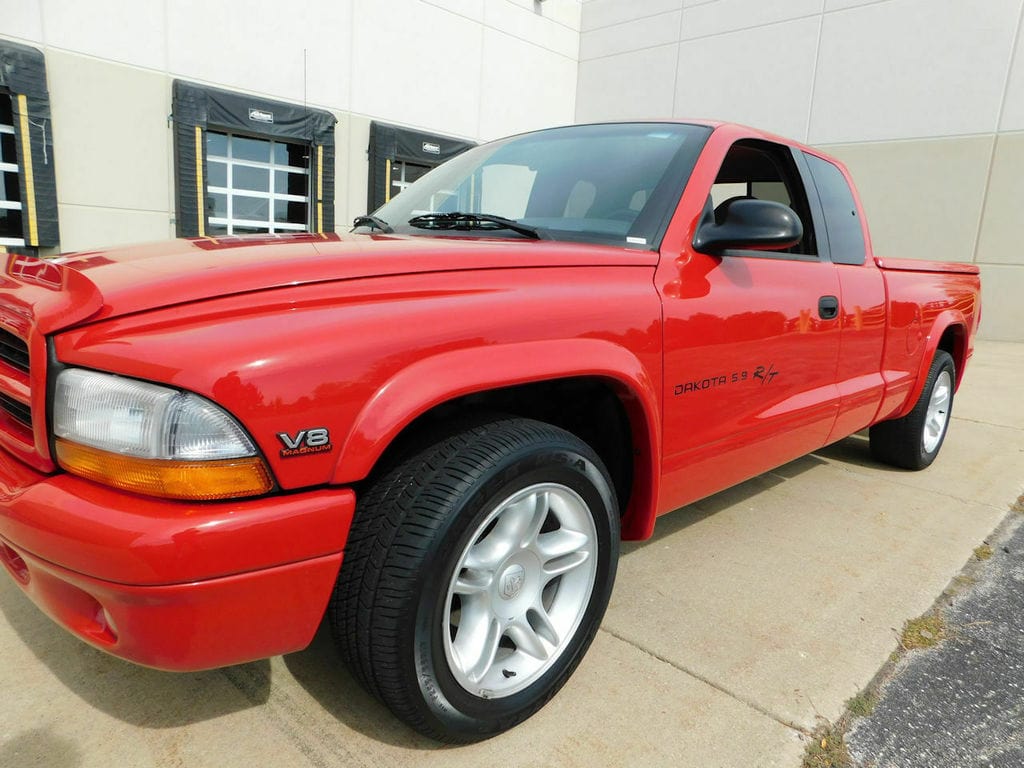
(432, 381)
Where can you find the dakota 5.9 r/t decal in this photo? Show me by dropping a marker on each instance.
(760, 373)
(306, 441)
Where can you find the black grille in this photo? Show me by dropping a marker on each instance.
(13, 351)
(19, 411)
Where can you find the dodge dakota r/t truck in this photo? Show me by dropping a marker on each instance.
(433, 431)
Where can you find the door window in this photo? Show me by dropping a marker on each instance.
(765, 171)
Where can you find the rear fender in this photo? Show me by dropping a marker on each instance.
(444, 377)
(945, 320)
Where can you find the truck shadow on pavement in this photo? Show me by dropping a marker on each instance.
(38, 746)
(137, 695)
(855, 450)
(320, 671)
(153, 699)
(682, 518)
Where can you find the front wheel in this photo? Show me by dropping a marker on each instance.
(476, 575)
(913, 442)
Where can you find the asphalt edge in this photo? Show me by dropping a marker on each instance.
(827, 746)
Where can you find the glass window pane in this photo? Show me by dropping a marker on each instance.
(217, 174)
(9, 189)
(286, 183)
(217, 205)
(10, 223)
(5, 110)
(845, 236)
(507, 188)
(216, 144)
(771, 190)
(299, 155)
(296, 155)
(291, 211)
(256, 179)
(250, 230)
(243, 148)
(244, 207)
(723, 191)
(8, 154)
(413, 171)
(216, 229)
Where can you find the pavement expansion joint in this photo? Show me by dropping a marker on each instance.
(842, 465)
(781, 720)
(988, 423)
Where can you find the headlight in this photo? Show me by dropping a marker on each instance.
(150, 439)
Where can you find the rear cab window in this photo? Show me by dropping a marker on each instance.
(842, 219)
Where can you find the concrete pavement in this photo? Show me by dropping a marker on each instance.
(747, 618)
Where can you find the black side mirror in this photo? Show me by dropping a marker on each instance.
(745, 222)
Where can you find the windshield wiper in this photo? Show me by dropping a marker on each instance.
(458, 220)
(373, 222)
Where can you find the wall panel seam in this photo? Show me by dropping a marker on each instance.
(159, 211)
(750, 27)
(995, 139)
(682, 41)
(814, 74)
(914, 139)
(530, 42)
(626, 53)
(679, 58)
(627, 21)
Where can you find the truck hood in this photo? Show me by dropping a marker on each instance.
(96, 285)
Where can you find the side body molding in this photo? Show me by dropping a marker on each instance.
(437, 379)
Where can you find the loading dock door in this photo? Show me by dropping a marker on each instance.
(399, 156)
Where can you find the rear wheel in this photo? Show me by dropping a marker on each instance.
(476, 575)
(913, 442)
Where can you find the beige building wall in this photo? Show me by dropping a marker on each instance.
(923, 99)
(470, 69)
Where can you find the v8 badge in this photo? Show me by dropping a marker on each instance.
(305, 442)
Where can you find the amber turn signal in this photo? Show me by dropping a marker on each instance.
(195, 480)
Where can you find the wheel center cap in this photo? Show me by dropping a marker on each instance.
(511, 583)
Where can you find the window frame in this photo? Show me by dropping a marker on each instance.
(273, 226)
(198, 110)
(7, 167)
(391, 144)
(798, 174)
(23, 80)
(812, 183)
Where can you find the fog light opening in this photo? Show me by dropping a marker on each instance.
(103, 629)
(15, 564)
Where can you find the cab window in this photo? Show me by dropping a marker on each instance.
(765, 171)
(842, 219)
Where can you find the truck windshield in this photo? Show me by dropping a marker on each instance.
(616, 184)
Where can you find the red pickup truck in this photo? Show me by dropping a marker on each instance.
(434, 430)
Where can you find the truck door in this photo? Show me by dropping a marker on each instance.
(751, 339)
(862, 301)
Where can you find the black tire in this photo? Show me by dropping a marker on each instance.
(910, 442)
(396, 590)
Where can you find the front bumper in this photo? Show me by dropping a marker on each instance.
(172, 585)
